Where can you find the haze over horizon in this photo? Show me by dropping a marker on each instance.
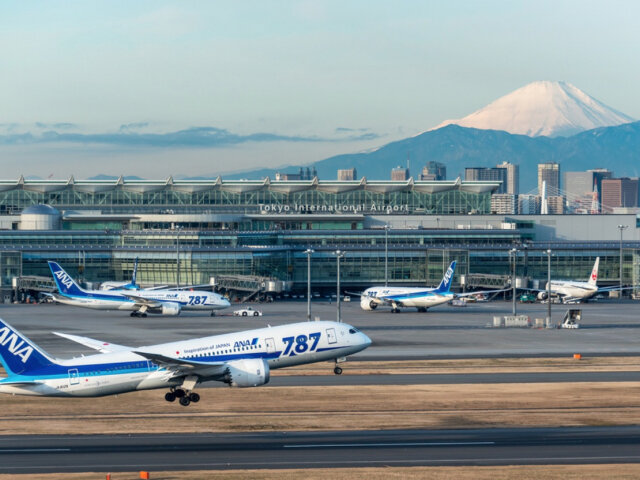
(165, 88)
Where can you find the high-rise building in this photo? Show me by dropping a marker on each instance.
(434, 171)
(400, 173)
(347, 174)
(619, 192)
(550, 173)
(528, 204)
(513, 177)
(580, 188)
(555, 205)
(503, 204)
(490, 174)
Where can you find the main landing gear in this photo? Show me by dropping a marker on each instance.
(183, 397)
(138, 314)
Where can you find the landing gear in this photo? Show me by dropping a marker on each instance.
(337, 370)
(213, 314)
(422, 309)
(395, 310)
(185, 398)
(138, 314)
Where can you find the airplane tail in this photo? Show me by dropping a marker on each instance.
(445, 284)
(132, 285)
(18, 354)
(66, 285)
(594, 273)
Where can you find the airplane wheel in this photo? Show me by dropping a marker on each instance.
(133, 314)
(179, 393)
(170, 397)
(184, 401)
(144, 315)
(337, 370)
(194, 397)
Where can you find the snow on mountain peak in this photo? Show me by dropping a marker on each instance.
(543, 108)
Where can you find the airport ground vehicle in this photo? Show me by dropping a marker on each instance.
(247, 312)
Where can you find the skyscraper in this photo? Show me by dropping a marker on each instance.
(549, 172)
(487, 174)
(513, 177)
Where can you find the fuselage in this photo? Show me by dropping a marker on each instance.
(405, 296)
(117, 299)
(571, 289)
(125, 371)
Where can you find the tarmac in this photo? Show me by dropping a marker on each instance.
(607, 328)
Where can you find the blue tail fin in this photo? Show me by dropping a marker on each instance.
(64, 282)
(445, 284)
(18, 354)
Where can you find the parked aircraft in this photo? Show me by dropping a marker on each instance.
(139, 302)
(574, 291)
(241, 359)
(132, 285)
(420, 297)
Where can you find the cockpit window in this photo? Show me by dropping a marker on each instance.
(353, 330)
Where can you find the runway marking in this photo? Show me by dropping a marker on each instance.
(33, 450)
(405, 444)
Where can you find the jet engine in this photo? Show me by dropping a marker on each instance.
(248, 372)
(367, 304)
(542, 295)
(167, 308)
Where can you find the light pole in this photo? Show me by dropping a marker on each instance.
(178, 258)
(308, 252)
(513, 252)
(386, 254)
(548, 286)
(622, 228)
(339, 255)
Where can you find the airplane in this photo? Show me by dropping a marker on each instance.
(132, 285)
(240, 359)
(571, 291)
(139, 302)
(420, 297)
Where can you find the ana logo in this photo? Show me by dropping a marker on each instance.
(64, 278)
(245, 343)
(447, 276)
(15, 344)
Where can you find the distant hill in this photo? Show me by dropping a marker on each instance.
(616, 148)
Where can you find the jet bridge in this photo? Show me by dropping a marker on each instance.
(249, 286)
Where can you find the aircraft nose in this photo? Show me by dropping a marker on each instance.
(366, 341)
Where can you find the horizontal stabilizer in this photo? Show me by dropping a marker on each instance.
(104, 347)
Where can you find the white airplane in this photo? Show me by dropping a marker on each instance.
(139, 302)
(132, 285)
(420, 297)
(573, 291)
(242, 359)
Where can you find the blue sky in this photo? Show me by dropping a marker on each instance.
(155, 88)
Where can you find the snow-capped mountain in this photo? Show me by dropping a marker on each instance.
(543, 108)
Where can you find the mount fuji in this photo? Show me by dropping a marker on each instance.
(544, 108)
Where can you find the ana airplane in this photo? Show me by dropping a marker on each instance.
(420, 297)
(139, 302)
(573, 291)
(132, 285)
(242, 359)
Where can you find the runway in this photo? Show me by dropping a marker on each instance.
(519, 446)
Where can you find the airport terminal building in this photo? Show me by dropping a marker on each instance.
(192, 232)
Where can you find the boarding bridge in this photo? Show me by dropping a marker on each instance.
(34, 283)
(486, 280)
(249, 286)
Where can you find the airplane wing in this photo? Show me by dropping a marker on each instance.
(613, 289)
(142, 301)
(181, 366)
(104, 347)
(480, 292)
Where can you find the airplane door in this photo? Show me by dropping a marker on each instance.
(271, 345)
(331, 335)
(74, 376)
